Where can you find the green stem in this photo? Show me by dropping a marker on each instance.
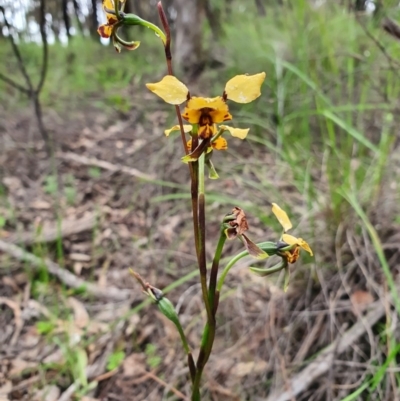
(202, 237)
(209, 329)
(228, 267)
(192, 366)
(214, 271)
(132, 19)
(269, 247)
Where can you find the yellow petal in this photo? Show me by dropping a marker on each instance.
(105, 30)
(170, 89)
(244, 88)
(305, 246)
(191, 116)
(186, 127)
(214, 103)
(290, 239)
(220, 115)
(108, 5)
(282, 217)
(220, 144)
(206, 131)
(236, 132)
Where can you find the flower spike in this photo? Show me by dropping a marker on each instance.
(206, 114)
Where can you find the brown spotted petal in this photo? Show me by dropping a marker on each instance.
(253, 250)
(238, 225)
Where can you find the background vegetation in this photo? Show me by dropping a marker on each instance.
(323, 143)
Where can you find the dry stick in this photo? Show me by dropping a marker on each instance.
(68, 227)
(91, 161)
(66, 277)
(30, 91)
(394, 64)
(321, 365)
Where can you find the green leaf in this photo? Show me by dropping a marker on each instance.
(94, 172)
(50, 184)
(115, 360)
(45, 327)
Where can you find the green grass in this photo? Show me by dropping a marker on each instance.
(84, 72)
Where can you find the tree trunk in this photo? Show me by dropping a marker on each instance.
(261, 8)
(213, 15)
(188, 50)
(360, 5)
(66, 18)
(77, 15)
(94, 18)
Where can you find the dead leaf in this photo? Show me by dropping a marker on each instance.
(4, 234)
(243, 369)
(81, 317)
(77, 267)
(39, 204)
(134, 365)
(10, 282)
(12, 183)
(17, 317)
(79, 257)
(5, 389)
(48, 393)
(18, 365)
(360, 301)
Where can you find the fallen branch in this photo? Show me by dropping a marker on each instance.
(117, 168)
(66, 277)
(322, 364)
(50, 234)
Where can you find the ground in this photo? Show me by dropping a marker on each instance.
(61, 341)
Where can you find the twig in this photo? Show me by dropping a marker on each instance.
(68, 393)
(394, 64)
(68, 227)
(66, 277)
(391, 27)
(152, 376)
(91, 161)
(321, 365)
(10, 82)
(17, 54)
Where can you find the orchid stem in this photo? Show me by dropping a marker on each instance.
(202, 237)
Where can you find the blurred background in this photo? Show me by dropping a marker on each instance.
(90, 187)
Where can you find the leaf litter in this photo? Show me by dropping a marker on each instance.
(265, 335)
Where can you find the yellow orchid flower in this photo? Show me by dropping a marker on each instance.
(114, 22)
(294, 243)
(205, 113)
(105, 30)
